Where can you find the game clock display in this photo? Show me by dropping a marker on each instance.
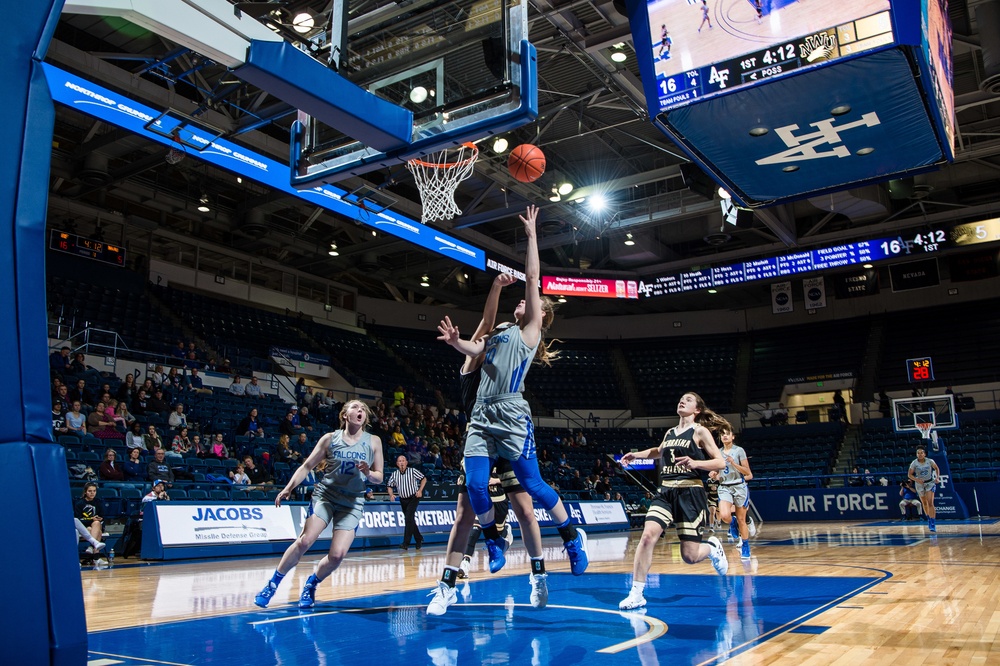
(920, 369)
(62, 241)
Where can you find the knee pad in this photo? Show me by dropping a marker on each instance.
(531, 480)
(477, 481)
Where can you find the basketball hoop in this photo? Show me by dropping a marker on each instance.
(925, 429)
(438, 177)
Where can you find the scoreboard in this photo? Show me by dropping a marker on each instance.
(779, 57)
(62, 241)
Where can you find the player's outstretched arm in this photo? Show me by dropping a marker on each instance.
(531, 322)
(450, 334)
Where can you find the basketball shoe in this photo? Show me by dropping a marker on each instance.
(465, 567)
(497, 549)
(263, 597)
(444, 596)
(308, 597)
(539, 590)
(718, 556)
(577, 552)
(633, 601)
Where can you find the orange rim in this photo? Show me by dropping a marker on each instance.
(450, 165)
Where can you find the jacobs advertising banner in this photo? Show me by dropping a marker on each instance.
(207, 524)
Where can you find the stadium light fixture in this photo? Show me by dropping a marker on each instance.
(203, 206)
(628, 239)
(333, 250)
(500, 145)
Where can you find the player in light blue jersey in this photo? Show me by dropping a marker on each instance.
(353, 457)
(500, 423)
(923, 472)
(734, 496)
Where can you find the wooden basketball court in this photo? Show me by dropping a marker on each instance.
(813, 593)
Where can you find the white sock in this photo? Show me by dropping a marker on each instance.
(94, 542)
(637, 588)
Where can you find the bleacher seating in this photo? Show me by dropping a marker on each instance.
(665, 368)
(792, 451)
(581, 378)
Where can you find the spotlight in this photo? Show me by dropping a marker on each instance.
(565, 188)
(562, 299)
(418, 94)
(724, 193)
(303, 23)
(555, 196)
(713, 291)
(867, 265)
(628, 239)
(500, 145)
(203, 204)
(425, 281)
(619, 56)
(598, 202)
(333, 250)
(239, 180)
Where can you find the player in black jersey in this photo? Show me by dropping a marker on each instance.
(459, 539)
(688, 449)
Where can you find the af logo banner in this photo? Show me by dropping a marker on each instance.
(781, 298)
(814, 291)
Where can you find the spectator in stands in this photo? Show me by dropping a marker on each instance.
(603, 486)
(59, 362)
(110, 469)
(173, 384)
(305, 421)
(250, 426)
(152, 439)
(133, 438)
(133, 467)
(288, 426)
(195, 383)
(159, 468)
(127, 390)
(158, 376)
(237, 388)
(324, 405)
(192, 348)
(909, 498)
(158, 493)
(780, 415)
(79, 364)
(309, 399)
(124, 417)
(191, 361)
(99, 425)
(178, 419)
(869, 478)
(258, 475)
(397, 437)
(302, 444)
(646, 502)
(181, 444)
(58, 421)
(576, 482)
(398, 396)
(300, 390)
(767, 415)
(581, 439)
(841, 405)
(252, 390)
(607, 497)
(197, 446)
(563, 462)
(140, 406)
(179, 352)
(287, 454)
(544, 460)
(157, 403)
(225, 367)
(90, 511)
(855, 478)
(81, 393)
(218, 448)
(62, 396)
(238, 476)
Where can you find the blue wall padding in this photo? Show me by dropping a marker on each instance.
(61, 567)
(294, 77)
(29, 238)
(47, 626)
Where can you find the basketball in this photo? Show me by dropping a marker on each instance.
(526, 163)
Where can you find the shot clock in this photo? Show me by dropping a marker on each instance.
(920, 369)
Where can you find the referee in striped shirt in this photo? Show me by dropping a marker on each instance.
(409, 484)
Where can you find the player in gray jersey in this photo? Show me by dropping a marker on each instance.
(350, 458)
(734, 496)
(500, 423)
(687, 450)
(923, 472)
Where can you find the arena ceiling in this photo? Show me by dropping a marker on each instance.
(592, 127)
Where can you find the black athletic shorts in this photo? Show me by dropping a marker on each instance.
(508, 481)
(686, 508)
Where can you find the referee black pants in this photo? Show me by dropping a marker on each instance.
(409, 505)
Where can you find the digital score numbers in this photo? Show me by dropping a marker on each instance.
(920, 369)
(62, 241)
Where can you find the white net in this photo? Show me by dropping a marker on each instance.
(925, 429)
(438, 177)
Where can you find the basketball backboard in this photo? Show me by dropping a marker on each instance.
(908, 413)
(464, 68)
